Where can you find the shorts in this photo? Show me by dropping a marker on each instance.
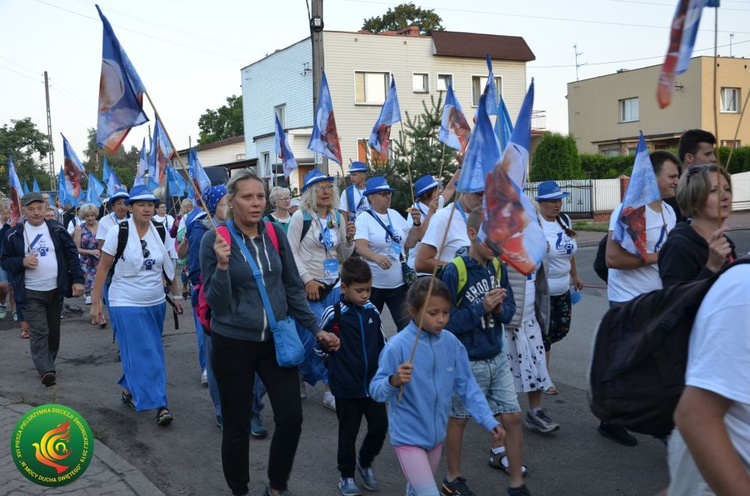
(3, 275)
(496, 382)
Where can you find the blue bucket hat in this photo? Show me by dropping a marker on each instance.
(358, 167)
(141, 193)
(549, 190)
(376, 185)
(119, 194)
(425, 184)
(314, 176)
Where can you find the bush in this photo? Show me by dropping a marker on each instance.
(556, 157)
(596, 166)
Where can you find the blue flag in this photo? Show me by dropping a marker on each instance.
(25, 188)
(161, 154)
(643, 189)
(283, 150)
(91, 195)
(454, 129)
(96, 185)
(114, 185)
(120, 93)
(16, 193)
(390, 113)
(325, 137)
(175, 182)
(482, 153)
(503, 124)
(510, 226)
(105, 170)
(491, 101)
(64, 191)
(36, 188)
(199, 177)
(73, 170)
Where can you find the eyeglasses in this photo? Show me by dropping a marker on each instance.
(325, 187)
(146, 253)
(385, 193)
(284, 199)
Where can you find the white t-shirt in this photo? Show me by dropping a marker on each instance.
(73, 223)
(144, 288)
(359, 200)
(457, 236)
(37, 239)
(167, 221)
(423, 209)
(106, 223)
(561, 249)
(624, 285)
(379, 242)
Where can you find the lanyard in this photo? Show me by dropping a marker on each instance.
(460, 210)
(388, 229)
(424, 214)
(325, 234)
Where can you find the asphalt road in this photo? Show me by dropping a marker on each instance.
(184, 459)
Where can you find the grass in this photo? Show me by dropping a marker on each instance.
(589, 225)
(100, 435)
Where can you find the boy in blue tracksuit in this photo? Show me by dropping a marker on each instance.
(357, 323)
(482, 301)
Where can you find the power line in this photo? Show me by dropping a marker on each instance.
(671, 5)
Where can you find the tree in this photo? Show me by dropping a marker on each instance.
(556, 157)
(28, 146)
(403, 16)
(222, 123)
(123, 162)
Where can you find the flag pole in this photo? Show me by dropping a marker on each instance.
(716, 113)
(179, 159)
(408, 167)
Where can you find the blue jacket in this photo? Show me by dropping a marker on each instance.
(68, 264)
(352, 367)
(194, 231)
(441, 367)
(479, 332)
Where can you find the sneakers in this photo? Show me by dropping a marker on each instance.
(48, 379)
(349, 487)
(204, 378)
(3, 312)
(87, 300)
(456, 488)
(329, 401)
(618, 434)
(369, 480)
(257, 429)
(519, 491)
(539, 422)
(500, 462)
(268, 492)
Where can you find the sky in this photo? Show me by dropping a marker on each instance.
(189, 53)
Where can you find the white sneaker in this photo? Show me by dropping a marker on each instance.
(3, 312)
(204, 378)
(329, 401)
(87, 300)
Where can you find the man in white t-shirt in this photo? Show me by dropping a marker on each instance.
(630, 275)
(43, 260)
(456, 238)
(353, 201)
(118, 213)
(709, 451)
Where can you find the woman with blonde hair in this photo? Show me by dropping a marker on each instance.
(88, 248)
(281, 201)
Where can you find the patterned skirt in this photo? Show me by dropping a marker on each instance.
(525, 349)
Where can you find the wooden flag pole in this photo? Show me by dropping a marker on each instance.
(716, 115)
(179, 159)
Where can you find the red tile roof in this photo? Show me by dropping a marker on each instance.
(474, 45)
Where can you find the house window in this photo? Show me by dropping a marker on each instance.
(629, 110)
(420, 82)
(280, 111)
(368, 155)
(730, 100)
(265, 160)
(370, 87)
(443, 81)
(477, 88)
(731, 143)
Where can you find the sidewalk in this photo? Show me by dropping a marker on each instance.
(107, 474)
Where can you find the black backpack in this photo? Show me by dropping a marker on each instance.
(640, 356)
(600, 262)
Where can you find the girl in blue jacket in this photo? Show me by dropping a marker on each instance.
(418, 420)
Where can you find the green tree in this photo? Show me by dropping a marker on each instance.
(403, 16)
(28, 146)
(222, 123)
(556, 157)
(123, 162)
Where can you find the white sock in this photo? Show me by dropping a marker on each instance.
(534, 411)
(500, 450)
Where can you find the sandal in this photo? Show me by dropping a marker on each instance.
(552, 391)
(163, 417)
(127, 399)
(505, 466)
(25, 334)
(102, 323)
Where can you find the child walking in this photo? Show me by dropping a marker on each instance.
(357, 323)
(482, 301)
(418, 420)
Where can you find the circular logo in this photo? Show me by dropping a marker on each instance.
(52, 445)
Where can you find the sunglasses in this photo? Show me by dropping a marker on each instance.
(146, 253)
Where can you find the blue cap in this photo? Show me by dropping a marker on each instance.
(141, 193)
(358, 167)
(549, 190)
(376, 184)
(314, 176)
(425, 184)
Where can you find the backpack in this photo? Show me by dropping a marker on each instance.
(640, 356)
(307, 223)
(463, 277)
(202, 309)
(600, 262)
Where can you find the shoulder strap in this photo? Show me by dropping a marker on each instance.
(272, 235)
(257, 274)
(306, 223)
(160, 229)
(498, 268)
(122, 239)
(387, 229)
(462, 278)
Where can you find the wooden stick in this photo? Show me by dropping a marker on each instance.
(716, 115)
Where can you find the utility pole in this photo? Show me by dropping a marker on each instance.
(50, 148)
(575, 48)
(731, 39)
(318, 61)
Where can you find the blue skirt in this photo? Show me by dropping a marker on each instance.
(139, 331)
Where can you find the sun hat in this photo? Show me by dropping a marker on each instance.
(376, 184)
(141, 193)
(425, 184)
(123, 193)
(549, 190)
(315, 176)
(358, 167)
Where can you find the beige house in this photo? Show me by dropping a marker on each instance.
(606, 113)
(358, 66)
